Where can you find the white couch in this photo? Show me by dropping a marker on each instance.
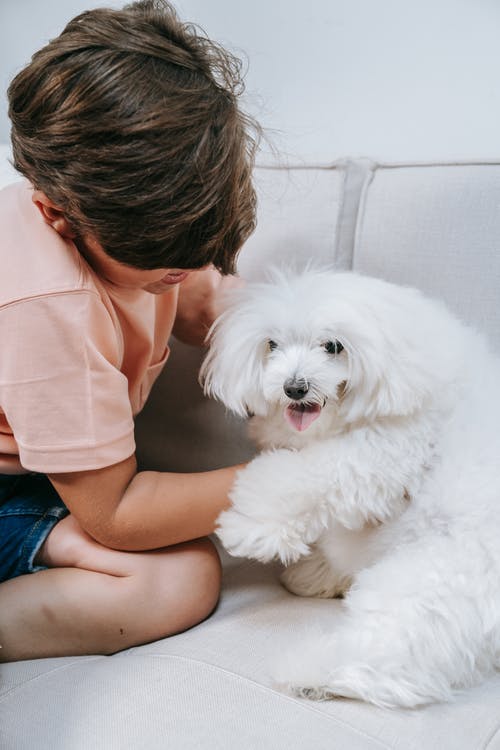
(415, 87)
(437, 227)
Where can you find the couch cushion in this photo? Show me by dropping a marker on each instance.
(436, 227)
(210, 688)
(298, 211)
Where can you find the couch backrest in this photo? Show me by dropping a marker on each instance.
(434, 226)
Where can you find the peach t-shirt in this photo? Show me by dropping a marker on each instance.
(78, 355)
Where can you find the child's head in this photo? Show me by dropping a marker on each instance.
(128, 121)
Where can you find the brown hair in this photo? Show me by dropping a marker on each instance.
(129, 122)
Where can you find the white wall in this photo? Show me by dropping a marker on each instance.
(25, 26)
(390, 79)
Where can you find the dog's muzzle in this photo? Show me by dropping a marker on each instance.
(299, 414)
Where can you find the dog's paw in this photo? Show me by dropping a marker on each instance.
(244, 536)
(314, 576)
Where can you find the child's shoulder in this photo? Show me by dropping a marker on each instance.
(34, 260)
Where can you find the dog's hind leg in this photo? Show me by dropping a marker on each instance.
(419, 624)
(314, 576)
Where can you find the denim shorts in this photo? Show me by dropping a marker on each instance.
(29, 509)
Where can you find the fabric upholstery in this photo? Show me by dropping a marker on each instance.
(436, 227)
(210, 688)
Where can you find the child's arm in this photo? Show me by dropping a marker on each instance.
(200, 302)
(126, 510)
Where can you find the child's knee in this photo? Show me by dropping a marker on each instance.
(198, 585)
(182, 585)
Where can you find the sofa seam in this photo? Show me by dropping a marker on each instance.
(358, 174)
(340, 217)
(430, 164)
(491, 738)
(214, 667)
(264, 688)
(50, 672)
(361, 213)
(340, 164)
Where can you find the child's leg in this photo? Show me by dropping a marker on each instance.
(94, 600)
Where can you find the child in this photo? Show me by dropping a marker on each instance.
(137, 199)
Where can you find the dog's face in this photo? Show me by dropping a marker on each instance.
(324, 342)
(303, 369)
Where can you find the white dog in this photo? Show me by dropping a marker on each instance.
(379, 417)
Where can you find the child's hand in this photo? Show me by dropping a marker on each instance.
(200, 303)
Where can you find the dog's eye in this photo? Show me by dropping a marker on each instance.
(272, 345)
(333, 347)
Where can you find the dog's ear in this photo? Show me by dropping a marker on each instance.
(406, 352)
(391, 385)
(232, 369)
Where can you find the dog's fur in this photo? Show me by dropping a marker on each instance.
(390, 497)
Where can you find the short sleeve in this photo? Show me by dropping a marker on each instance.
(61, 388)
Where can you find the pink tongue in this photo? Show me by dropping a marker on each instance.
(300, 417)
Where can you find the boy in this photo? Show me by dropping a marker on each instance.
(137, 199)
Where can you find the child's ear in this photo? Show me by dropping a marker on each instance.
(53, 215)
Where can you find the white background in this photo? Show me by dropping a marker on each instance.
(394, 80)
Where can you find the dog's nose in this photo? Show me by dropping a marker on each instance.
(295, 389)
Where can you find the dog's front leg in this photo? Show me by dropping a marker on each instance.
(284, 499)
(366, 477)
(278, 508)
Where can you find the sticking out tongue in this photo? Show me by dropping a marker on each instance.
(301, 416)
